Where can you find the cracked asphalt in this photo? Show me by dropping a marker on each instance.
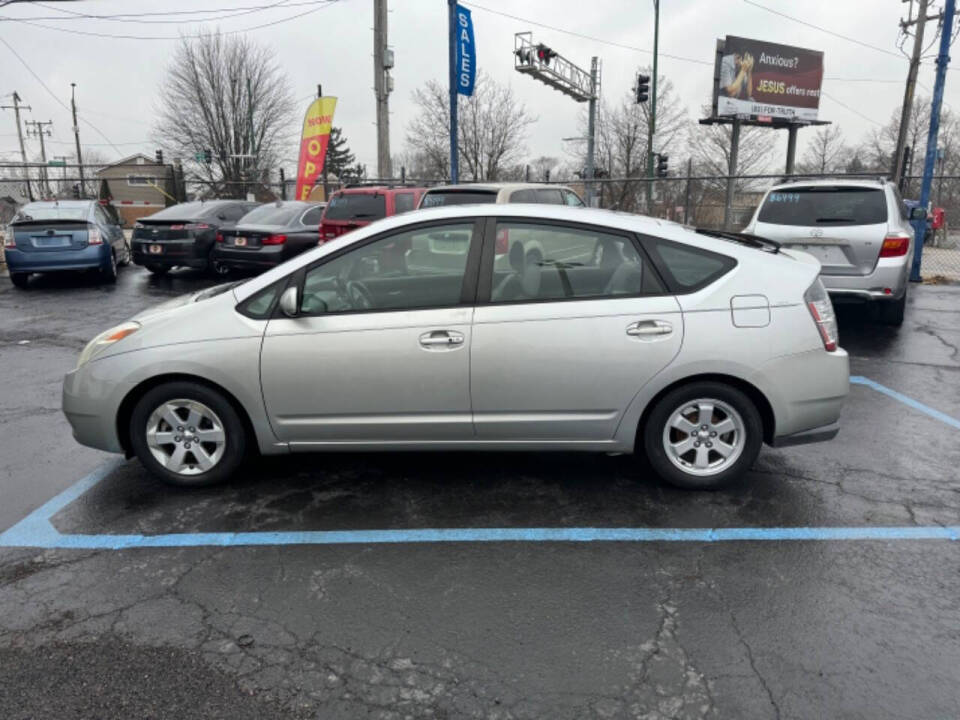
(852, 629)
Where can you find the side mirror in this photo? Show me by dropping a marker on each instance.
(290, 302)
(918, 213)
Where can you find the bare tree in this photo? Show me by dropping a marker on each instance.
(542, 167)
(491, 130)
(826, 152)
(621, 147)
(228, 95)
(710, 149)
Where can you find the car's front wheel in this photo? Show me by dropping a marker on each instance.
(187, 434)
(703, 436)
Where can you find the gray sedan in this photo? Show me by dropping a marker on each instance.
(437, 330)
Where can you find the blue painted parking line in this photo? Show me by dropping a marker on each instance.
(906, 400)
(37, 531)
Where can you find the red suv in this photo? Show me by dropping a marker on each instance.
(355, 207)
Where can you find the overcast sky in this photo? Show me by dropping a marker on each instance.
(117, 79)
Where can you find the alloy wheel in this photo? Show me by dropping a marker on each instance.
(704, 436)
(186, 437)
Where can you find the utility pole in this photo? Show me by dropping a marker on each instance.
(16, 107)
(39, 132)
(76, 136)
(943, 60)
(382, 85)
(653, 103)
(920, 21)
(454, 149)
(591, 131)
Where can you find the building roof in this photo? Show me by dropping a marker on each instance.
(135, 159)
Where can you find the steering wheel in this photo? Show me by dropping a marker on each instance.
(359, 295)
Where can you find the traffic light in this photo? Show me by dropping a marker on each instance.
(545, 54)
(662, 165)
(159, 156)
(525, 54)
(76, 191)
(642, 88)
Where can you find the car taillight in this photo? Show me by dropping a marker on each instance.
(503, 242)
(93, 236)
(274, 240)
(138, 226)
(8, 239)
(219, 237)
(895, 246)
(821, 310)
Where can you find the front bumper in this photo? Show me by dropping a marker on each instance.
(888, 281)
(90, 406)
(92, 256)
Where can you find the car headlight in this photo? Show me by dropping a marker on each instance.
(105, 339)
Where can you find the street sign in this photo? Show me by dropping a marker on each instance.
(57, 163)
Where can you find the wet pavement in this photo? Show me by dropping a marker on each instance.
(760, 628)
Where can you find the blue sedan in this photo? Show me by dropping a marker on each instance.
(61, 235)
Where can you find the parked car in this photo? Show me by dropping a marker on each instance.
(269, 234)
(184, 235)
(859, 230)
(62, 235)
(355, 207)
(500, 193)
(692, 349)
(505, 193)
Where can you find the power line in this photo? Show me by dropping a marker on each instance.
(855, 112)
(323, 4)
(230, 13)
(53, 94)
(823, 29)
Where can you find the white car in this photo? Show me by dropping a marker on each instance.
(628, 335)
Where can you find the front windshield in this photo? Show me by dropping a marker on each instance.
(52, 211)
(271, 215)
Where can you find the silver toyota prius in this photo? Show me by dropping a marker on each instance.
(484, 327)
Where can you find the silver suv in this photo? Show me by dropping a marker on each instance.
(859, 230)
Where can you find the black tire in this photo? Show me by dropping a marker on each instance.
(157, 269)
(235, 437)
(110, 274)
(21, 280)
(127, 256)
(652, 435)
(891, 312)
(217, 268)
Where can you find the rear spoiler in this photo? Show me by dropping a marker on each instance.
(754, 241)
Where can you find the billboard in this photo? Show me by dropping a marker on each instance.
(759, 79)
(313, 144)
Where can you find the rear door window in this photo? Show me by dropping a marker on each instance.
(549, 196)
(403, 202)
(571, 198)
(827, 205)
(357, 206)
(312, 216)
(524, 196)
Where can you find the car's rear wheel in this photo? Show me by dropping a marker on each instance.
(21, 280)
(216, 267)
(703, 436)
(109, 274)
(891, 313)
(187, 434)
(127, 256)
(157, 269)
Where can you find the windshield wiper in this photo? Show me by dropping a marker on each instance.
(836, 219)
(754, 241)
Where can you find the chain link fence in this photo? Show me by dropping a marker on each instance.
(697, 200)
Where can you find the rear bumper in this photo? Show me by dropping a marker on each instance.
(890, 274)
(267, 256)
(806, 392)
(189, 253)
(92, 256)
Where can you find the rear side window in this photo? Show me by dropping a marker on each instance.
(403, 202)
(549, 196)
(825, 205)
(687, 268)
(356, 206)
(571, 198)
(458, 197)
(524, 196)
(312, 216)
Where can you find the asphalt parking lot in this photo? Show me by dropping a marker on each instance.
(495, 586)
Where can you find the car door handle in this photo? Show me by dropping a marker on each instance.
(441, 338)
(649, 328)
